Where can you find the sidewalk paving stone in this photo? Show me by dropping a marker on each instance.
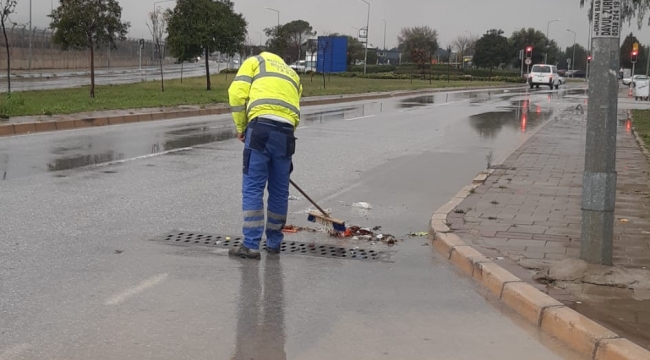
(538, 215)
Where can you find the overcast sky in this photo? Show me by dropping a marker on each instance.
(450, 17)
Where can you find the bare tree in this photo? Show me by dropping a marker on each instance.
(158, 29)
(464, 46)
(7, 7)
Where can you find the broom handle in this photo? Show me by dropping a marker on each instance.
(307, 197)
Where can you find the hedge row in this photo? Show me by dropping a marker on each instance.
(436, 77)
(441, 69)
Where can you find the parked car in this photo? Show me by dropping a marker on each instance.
(299, 66)
(628, 81)
(578, 74)
(544, 75)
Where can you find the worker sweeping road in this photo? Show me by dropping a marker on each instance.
(265, 104)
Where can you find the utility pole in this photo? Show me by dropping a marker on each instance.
(647, 66)
(548, 27)
(142, 46)
(384, 20)
(365, 61)
(30, 36)
(278, 12)
(599, 179)
(573, 60)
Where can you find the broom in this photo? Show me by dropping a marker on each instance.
(323, 217)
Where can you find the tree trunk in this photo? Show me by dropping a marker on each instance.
(207, 70)
(160, 59)
(92, 69)
(4, 32)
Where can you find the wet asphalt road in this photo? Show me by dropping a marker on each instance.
(69, 79)
(80, 279)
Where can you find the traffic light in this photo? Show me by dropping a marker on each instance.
(589, 58)
(634, 57)
(529, 52)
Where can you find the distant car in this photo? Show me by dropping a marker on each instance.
(299, 66)
(578, 74)
(562, 80)
(544, 75)
(639, 78)
(628, 81)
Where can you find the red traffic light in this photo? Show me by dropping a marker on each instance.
(635, 53)
(589, 58)
(529, 49)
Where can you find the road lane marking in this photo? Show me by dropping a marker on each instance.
(14, 351)
(115, 162)
(360, 117)
(132, 291)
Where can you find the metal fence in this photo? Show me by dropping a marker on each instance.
(47, 55)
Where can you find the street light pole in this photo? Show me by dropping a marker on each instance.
(599, 179)
(257, 32)
(548, 27)
(573, 60)
(384, 20)
(278, 12)
(30, 35)
(365, 61)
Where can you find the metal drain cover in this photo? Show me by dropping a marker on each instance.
(186, 238)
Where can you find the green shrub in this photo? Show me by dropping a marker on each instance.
(228, 71)
(372, 69)
(434, 77)
(10, 104)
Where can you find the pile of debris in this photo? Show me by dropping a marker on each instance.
(359, 233)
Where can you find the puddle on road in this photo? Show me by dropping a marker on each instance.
(521, 116)
(618, 309)
(445, 98)
(176, 139)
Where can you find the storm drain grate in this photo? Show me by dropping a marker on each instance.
(290, 247)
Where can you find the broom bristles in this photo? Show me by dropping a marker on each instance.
(336, 224)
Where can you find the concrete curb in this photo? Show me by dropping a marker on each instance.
(34, 127)
(573, 329)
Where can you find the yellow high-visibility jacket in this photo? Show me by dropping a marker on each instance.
(265, 85)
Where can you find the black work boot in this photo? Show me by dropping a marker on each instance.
(273, 251)
(243, 252)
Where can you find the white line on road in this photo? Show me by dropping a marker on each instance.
(142, 157)
(130, 292)
(360, 117)
(14, 351)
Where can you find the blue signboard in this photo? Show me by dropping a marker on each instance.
(332, 54)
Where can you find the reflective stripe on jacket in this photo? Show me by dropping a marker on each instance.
(265, 85)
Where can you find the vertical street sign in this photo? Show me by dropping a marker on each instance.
(599, 179)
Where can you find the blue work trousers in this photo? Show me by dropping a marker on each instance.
(269, 148)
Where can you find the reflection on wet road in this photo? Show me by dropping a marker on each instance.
(260, 317)
(494, 111)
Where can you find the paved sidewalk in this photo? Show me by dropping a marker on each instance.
(529, 211)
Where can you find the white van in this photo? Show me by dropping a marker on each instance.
(544, 75)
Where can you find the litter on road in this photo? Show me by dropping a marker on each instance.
(362, 205)
(352, 232)
(421, 233)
